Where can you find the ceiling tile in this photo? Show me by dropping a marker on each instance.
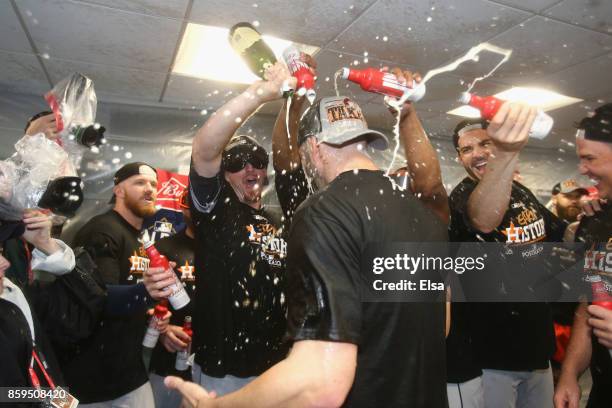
(12, 37)
(165, 8)
(582, 80)
(542, 46)
(131, 84)
(22, 73)
(596, 15)
(425, 34)
(308, 21)
(81, 32)
(531, 5)
(201, 93)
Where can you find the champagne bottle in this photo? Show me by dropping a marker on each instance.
(249, 44)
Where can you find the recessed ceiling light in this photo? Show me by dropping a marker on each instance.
(541, 98)
(205, 53)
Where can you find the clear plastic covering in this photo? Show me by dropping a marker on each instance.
(38, 160)
(73, 102)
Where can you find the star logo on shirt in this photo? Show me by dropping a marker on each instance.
(187, 272)
(139, 264)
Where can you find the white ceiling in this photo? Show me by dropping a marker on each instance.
(128, 46)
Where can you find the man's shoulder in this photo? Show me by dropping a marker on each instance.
(105, 224)
(466, 185)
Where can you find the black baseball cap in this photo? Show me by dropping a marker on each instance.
(240, 150)
(129, 170)
(337, 120)
(599, 126)
(466, 126)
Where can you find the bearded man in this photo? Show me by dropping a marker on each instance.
(108, 369)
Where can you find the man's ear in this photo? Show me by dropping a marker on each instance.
(119, 191)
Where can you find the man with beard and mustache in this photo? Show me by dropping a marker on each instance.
(566, 197)
(107, 369)
(591, 339)
(513, 342)
(566, 204)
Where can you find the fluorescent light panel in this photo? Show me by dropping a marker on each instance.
(541, 98)
(205, 53)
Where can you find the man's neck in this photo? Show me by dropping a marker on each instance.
(132, 219)
(189, 231)
(360, 162)
(253, 204)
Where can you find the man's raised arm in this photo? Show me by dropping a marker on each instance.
(211, 139)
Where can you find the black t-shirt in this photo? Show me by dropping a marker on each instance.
(461, 361)
(109, 364)
(240, 313)
(596, 231)
(509, 336)
(401, 358)
(180, 249)
(16, 351)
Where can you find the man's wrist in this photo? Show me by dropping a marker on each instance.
(47, 247)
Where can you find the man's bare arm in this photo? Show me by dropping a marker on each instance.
(285, 151)
(577, 358)
(421, 157)
(315, 374)
(509, 131)
(211, 139)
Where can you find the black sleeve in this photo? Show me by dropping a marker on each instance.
(127, 299)
(204, 192)
(106, 252)
(460, 226)
(70, 307)
(323, 276)
(291, 189)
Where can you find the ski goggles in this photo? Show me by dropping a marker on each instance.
(235, 163)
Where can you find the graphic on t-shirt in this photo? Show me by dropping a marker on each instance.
(140, 264)
(599, 261)
(162, 229)
(187, 272)
(530, 228)
(273, 248)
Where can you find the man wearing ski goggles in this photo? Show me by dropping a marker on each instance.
(241, 151)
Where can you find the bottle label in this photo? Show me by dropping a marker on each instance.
(390, 81)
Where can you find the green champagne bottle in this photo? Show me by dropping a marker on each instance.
(249, 44)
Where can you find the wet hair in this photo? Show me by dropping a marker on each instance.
(599, 126)
(471, 123)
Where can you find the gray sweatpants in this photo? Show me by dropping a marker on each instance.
(469, 394)
(141, 397)
(518, 389)
(221, 386)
